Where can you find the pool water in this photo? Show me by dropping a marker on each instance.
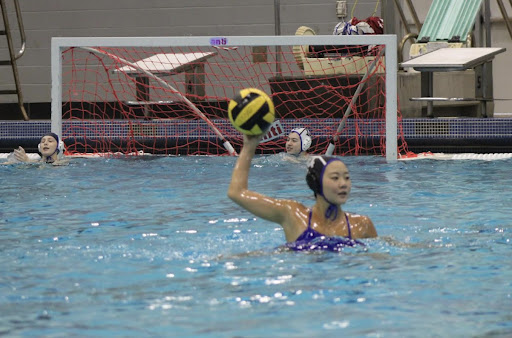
(153, 247)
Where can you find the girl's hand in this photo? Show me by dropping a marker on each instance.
(21, 155)
(252, 140)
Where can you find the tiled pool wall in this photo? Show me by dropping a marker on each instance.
(454, 135)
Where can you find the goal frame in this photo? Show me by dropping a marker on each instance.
(59, 44)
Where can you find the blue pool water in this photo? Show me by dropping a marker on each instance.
(153, 247)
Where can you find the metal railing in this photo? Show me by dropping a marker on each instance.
(19, 19)
(409, 35)
(13, 56)
(504, 13)
(413, 13)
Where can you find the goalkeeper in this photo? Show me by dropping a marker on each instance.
(50, 148)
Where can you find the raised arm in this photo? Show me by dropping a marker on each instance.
(271, 209)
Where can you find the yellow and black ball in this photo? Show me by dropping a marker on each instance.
(251, 111)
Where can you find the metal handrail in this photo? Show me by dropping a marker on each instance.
(12, 55)
(504, 13)
(401, 46)
(19, 19)
(413, 13)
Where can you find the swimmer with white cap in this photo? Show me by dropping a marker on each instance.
(50, 148)
(298, 142)
(325, 225)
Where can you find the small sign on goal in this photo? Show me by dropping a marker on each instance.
(276, 130)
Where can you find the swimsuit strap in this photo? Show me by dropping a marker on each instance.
(348, 226)
(310, 216)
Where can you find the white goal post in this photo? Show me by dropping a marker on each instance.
(60, 44)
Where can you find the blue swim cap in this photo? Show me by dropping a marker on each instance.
(316, 168)
(55, 136)
(314, 179)
(60, 145)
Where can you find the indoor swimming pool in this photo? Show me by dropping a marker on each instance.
(152, 246)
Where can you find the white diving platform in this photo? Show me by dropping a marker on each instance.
(447, 60)
(166, 64)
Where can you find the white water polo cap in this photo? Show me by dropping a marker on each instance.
(305, 138)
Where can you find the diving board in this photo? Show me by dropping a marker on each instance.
(166, 64)
(446, 60)
(452, 59)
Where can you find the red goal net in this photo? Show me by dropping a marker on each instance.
(173, 100)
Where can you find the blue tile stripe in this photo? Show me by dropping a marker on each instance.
(488, 128)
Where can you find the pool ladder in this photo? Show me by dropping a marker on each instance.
(13, 56)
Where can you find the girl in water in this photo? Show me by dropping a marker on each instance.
(325, 225)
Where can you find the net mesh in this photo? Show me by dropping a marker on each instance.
(173, 100)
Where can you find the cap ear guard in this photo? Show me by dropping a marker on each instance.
(305, 138)
(313, 182)
(61, 148)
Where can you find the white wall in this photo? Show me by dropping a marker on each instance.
(44, 19)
